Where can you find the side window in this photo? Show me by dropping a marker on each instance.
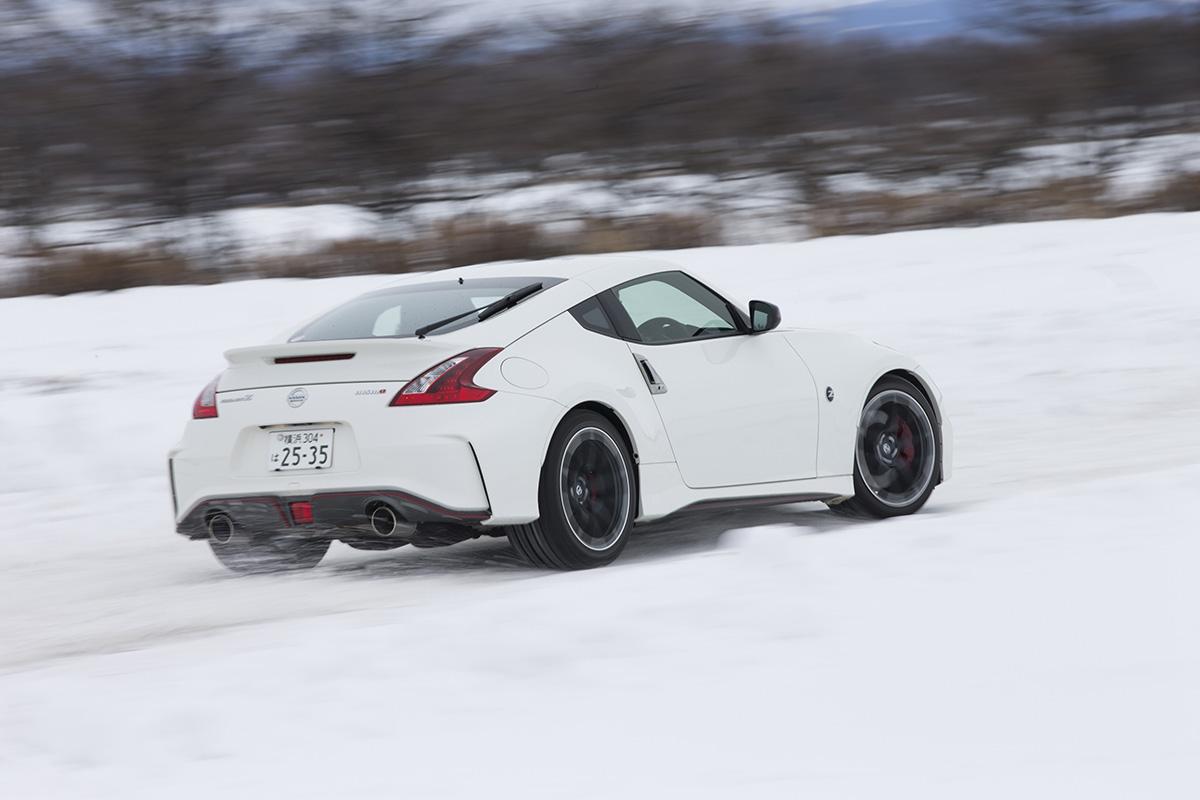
(591, 315)
(672, 307)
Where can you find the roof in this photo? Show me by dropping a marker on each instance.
(598, 271)
(583, 276)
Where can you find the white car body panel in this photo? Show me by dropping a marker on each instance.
(732, 415)
(849, 366)
(589, 368)
(429, 452)
(744, 417)
(374, 361)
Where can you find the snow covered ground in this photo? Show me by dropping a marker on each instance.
(1032, 634)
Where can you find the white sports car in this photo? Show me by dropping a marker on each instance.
(556, 403)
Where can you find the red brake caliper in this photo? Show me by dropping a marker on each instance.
(907, 448)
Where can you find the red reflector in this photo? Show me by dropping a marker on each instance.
(302, 512)
(310, 359)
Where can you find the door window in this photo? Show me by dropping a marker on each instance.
(673, 307)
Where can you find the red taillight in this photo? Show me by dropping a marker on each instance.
(451, 381)
(302, 512)
(205, 406)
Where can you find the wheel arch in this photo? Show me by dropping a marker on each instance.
(926, 390)
(613, 416)
(922, 386)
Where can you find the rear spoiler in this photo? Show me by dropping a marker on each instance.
(342, 350)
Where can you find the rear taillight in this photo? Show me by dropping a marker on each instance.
(205, 406)
(451, 381)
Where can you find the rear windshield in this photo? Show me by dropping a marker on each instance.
(399, 312)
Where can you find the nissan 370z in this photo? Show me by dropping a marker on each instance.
(555, 403)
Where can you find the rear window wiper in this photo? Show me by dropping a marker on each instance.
(491, 309)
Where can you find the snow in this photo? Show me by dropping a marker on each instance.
(1140, 165)
(1031, 634)
(255, 231)
(748, 206)
(1131, 167)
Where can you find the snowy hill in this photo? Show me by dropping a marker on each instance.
(1032, 634)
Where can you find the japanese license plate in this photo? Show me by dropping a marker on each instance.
(309, 448)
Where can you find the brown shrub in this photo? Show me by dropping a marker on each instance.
(349, 257)
(472, 239)
(477, 239)
(656, 232)
(865, 213)
(1181, 193)
(61, 272)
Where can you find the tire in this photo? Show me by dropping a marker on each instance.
(257, 554)
(897, 453)
(587, 498)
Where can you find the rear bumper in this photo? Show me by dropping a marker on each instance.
(345, 510)
(470, 462)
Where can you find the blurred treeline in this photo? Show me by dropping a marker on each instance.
(168, 109)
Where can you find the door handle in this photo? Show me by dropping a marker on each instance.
(653, 381)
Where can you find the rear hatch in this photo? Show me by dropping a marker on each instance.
(347, 361)
(309, 410)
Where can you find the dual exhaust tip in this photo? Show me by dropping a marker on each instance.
(220, 528)
(385, 522)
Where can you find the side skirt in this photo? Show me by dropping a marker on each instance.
(663, 492)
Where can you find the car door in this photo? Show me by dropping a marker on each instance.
(738, 408)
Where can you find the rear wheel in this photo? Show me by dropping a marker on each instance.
(241, 551)
(587, 498)
(897, 452)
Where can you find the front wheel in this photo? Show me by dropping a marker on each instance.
(897, 452)
(587, 497)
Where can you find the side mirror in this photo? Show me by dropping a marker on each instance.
(764, 316)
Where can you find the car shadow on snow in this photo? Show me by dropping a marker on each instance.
(681, 534)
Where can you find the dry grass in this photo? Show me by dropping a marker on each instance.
(1182, 193)
(881, 212)
(349, 257)
(660, 232)
(61, 272)
(479, 239)
(476, 239)
(457, 242)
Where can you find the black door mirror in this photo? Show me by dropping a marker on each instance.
(764, 316)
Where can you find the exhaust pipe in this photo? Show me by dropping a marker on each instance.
(384, 520)
(220, 528)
